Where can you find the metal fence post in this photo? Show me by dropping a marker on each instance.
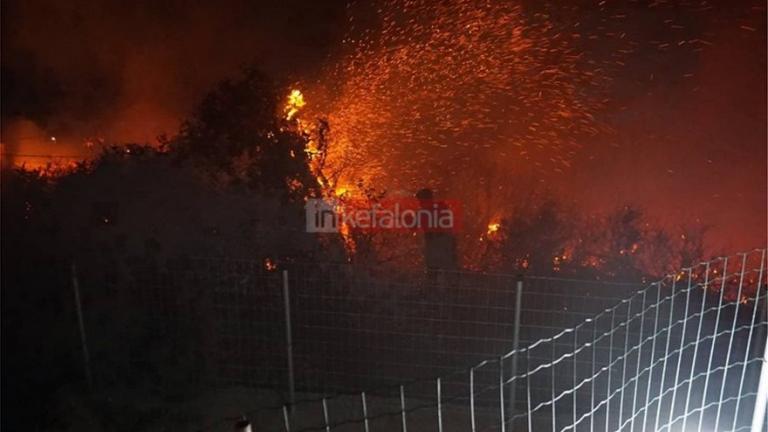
(749, 341)
(515, 345)
(81, 327)
(472, 398)
(761, 400)
(365, 412)
(289, 340)
(325, 416)
(758, 416)
(286, 419)
(402, 409)
(243, 425)
(501, 395)
(439, 407)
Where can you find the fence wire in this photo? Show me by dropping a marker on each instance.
(635, 366)
(374, 352)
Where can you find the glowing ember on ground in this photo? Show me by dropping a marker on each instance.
(269, 265)
(493, 228)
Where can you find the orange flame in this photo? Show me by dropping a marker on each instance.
(294, 104)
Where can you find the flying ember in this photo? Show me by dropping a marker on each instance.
(455, 96)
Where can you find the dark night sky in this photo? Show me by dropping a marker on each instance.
(688, 136)
(129, 70)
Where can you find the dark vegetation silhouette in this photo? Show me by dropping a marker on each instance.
(543, 237)
(231, 183)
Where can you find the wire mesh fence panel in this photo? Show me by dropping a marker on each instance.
(375, 332)
(680, 354)
(434, 351)
(248, 322)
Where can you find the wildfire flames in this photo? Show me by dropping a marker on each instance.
(493, 228)
(294, 104)
(451, 94)
(458, 96)
(455, 96)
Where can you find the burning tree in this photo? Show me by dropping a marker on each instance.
(238, 136)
